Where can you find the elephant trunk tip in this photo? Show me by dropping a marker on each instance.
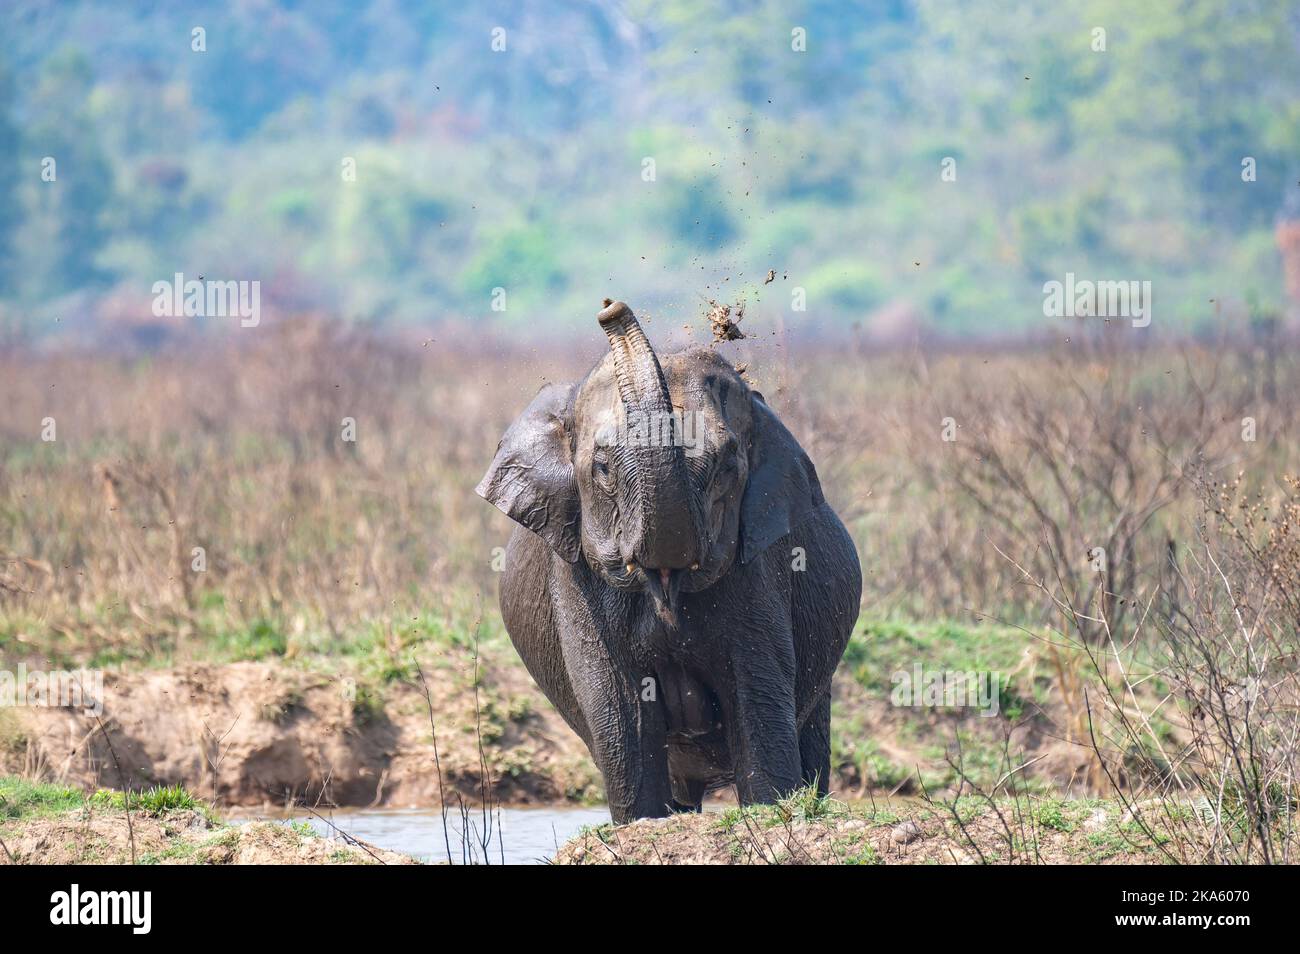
(614, 311)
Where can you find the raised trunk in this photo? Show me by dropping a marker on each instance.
(659, 521)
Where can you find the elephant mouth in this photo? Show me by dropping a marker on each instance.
(665, 588)
(664, 585)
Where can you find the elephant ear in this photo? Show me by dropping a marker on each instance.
(783, 489)
(531, 478)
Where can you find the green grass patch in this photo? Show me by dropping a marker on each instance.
(260, 639)
(1052, 813)
(880, 648)
(158, 800)
(303, 829)
(21, 799)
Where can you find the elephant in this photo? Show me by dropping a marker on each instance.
(676, 583)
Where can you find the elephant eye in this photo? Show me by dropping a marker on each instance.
(600, 469)
(727, 464)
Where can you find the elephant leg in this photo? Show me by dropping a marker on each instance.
(759, 716)
(815, 747)
(688, 795)
(628, 742)
(627, 723)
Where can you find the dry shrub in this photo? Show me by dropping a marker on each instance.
(1194, 712)
(1069, 461)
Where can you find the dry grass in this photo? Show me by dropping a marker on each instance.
(238, 449)
(239, 452)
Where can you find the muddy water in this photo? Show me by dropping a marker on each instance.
(526, 835)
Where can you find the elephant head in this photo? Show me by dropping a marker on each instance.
(659, 475)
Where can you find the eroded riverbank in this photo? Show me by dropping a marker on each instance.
(358, 730)
(270, 735)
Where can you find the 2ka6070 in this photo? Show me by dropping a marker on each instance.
(1204, 896)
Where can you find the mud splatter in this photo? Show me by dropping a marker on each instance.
(725, 319)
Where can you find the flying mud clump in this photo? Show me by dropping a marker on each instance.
(724, 321)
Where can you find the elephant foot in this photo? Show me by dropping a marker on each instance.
(688, 795)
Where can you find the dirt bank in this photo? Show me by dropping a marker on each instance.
(48, 824)
(187, 838)
(811, 831)
(259, 734)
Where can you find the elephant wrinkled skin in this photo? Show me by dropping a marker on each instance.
(677, 585)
